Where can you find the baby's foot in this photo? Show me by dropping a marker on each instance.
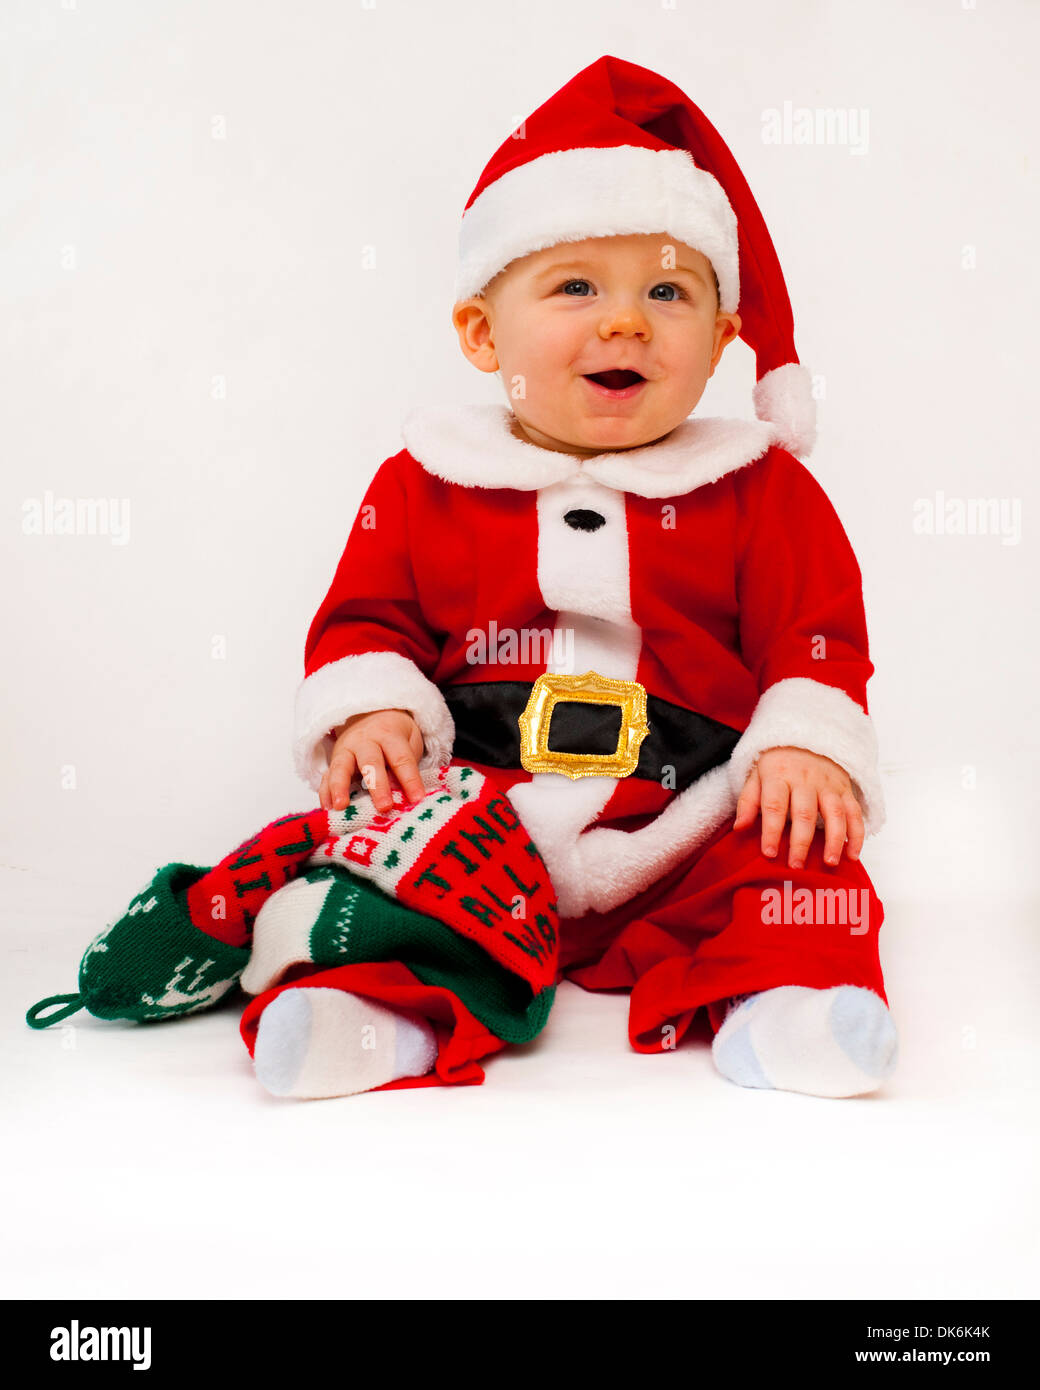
(825, 1042)
(314, 1043)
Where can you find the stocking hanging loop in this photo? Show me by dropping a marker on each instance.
(72, 1003)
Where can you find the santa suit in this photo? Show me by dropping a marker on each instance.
(712, 569)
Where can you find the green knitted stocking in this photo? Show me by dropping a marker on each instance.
(153, 962)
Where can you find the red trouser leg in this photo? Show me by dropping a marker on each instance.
(703, 934)
(461, 1038)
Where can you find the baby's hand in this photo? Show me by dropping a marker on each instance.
(812, 784)
(367, 744)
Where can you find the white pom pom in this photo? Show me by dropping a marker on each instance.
(784, 398)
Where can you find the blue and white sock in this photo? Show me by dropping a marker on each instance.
(824, 1042)
(316, 1043)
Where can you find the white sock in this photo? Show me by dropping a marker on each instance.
(825, 1042)
(314, 1043)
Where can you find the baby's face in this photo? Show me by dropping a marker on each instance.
(554, 321)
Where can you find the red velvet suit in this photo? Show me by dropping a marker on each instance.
(719, 577)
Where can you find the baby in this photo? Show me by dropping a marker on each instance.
(688, 572)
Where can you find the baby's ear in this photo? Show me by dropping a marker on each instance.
(727, 330)
(473, 326)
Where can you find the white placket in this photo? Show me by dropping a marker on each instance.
(584, 576)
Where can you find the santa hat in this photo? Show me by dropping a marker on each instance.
(621, 150)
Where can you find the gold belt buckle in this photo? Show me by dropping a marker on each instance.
(590, 688)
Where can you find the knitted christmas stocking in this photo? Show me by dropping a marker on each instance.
(460, 855)
(452, 885)
(329, 916)
(487, 933)
(183, 941)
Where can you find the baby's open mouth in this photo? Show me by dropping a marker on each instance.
(615, 380)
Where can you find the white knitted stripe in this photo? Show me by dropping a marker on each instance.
(371, 837)
(282, 932)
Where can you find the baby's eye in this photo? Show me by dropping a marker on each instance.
(568, 283)
(680, 293)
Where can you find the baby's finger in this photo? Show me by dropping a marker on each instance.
(854, 819)
(340, 775)
(400, 757)
(832, 808)
(374, 777)
(803, 824)
(775, 796)
(747, 804)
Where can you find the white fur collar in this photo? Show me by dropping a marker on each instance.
(474, 446)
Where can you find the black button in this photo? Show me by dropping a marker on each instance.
(581, 519)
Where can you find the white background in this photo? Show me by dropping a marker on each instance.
(143, 258)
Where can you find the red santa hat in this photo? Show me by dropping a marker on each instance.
(621, 150)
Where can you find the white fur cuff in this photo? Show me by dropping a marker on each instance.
(805, 713)
(358, 685)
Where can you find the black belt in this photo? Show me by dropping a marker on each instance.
(487, 731)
